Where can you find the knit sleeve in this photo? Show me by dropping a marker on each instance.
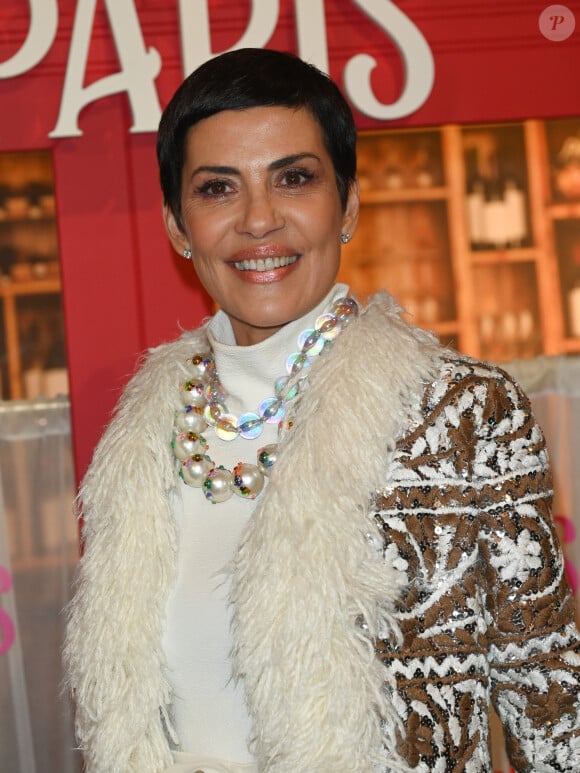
(534, 647)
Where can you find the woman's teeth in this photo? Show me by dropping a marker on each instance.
(265, 264)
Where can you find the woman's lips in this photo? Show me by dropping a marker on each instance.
(267, 263)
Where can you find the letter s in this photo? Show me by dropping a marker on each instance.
(43, 26)
(417, 58)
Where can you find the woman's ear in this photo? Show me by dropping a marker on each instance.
(350, 217)
(176, 236)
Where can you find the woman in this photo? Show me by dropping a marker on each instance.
(369, 551)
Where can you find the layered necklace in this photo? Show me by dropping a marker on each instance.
(205, 410)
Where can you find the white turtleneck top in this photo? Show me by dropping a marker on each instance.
(209, 713)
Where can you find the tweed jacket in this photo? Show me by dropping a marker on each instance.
(411, 579)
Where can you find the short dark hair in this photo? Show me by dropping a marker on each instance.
(254, 77)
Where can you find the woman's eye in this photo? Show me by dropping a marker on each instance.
(294, 178)
(214, 188)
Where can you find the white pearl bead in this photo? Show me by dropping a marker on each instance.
(187, 444)
(267, 458)
(191, 421)
(192, 394)
(195, 470)
(248, 481)
(218, 485)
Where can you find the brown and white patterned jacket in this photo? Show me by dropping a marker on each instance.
(486, 612)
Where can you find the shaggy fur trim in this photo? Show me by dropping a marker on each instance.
(113, 654)
(306, 573)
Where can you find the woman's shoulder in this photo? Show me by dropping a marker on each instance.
(159, 372)
(457, 368)
(188, 341)
(465, 382)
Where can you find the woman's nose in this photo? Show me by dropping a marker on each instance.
(260, 214)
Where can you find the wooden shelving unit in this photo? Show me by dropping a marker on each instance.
(9, 293)
(31, 318)
(493, 296)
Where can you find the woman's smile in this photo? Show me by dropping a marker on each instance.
(262, 216)
(265, 263)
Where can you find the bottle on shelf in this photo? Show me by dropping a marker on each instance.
(574, 309)
(514, 199)
(429, 312)
(496, 222)
(515, 212)
(421, 167)
(496, 203)
(475, 201)
(527, 334)
(574, 294)
(567, 173)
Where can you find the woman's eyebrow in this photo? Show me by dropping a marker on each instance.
(215, 170)
(282, 162)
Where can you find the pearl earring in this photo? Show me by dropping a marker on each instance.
(187, 254)
(345, 238)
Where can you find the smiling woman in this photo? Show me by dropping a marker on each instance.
(261, 215)
(371, 486)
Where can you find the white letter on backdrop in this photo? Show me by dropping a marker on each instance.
(139, 68)
(41, 35)
(196, 33)
(311, 32)
(417, 58)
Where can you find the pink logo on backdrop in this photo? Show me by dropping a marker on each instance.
(7, 631)
(557, 22)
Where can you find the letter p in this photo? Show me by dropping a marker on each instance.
(557, 22)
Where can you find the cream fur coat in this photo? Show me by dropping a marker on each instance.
(310, 590)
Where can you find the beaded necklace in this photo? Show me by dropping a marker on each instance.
(204, 408)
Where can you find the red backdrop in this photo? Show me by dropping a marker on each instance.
(124, 290)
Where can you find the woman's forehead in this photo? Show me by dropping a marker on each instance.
(259, 132)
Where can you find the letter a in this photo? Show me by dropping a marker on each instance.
(139, 68)
(196, 33)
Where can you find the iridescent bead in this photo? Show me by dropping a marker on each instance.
(226, 427)
(194, 470)
(345, 309)
(213, 412)
(305, 335)
(187, 444)
(296, 362)
(311, 342)
(218, 485)
(267, 458)
(250, 425)
(282, 385)
(248, 480)
(272, 410)
(215, 393)
(190, 420)
(329, 326)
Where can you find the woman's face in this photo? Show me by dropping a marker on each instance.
(261, 215)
